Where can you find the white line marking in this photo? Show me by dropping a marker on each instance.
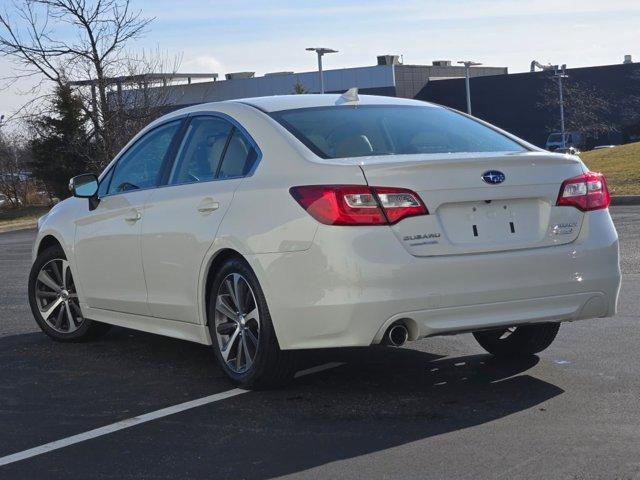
(147, 417)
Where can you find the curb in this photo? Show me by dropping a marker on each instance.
(13, 228)
(625, 200)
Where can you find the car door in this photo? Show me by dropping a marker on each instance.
(182, 218)
(107, 242)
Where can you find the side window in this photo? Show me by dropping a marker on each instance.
(140, 165)
(239, 157)
(198, 159)
(104, 183)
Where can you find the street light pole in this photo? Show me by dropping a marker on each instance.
(467, 64)
(559, 74)
(320, 51)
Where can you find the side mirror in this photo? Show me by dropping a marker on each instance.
(84, 186)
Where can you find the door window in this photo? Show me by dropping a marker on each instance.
(139, 167)
(104, 183)
(238, 158)
(201, 151)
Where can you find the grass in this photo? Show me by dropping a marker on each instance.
(620, 165)
(22, 217)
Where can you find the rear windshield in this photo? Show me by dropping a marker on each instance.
(371, 130)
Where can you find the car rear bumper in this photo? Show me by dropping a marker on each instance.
(355, 281)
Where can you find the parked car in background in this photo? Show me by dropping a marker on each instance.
(268, 225)
(574, 140)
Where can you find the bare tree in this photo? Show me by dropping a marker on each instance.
(140, 95)
(587, 109)
(93, 50)
(13, 172)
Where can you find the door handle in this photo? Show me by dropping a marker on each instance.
(133, 216)
(207, 205)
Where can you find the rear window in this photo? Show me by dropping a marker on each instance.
(372, 130)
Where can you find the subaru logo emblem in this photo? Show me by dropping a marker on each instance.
(493, 177)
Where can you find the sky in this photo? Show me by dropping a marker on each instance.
(265, 36)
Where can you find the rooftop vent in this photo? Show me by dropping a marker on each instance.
(441, 63)
(627, 59)
(237, 75)
(388, 60)
(275, 74)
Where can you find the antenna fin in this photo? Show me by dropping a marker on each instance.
(350, 95)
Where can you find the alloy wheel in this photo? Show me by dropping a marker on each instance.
(237, 323)
(57, 298)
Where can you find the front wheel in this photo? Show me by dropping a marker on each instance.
(241, 331)
(518, 341)
(54, 300)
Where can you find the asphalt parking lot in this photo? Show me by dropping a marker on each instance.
(438, 408)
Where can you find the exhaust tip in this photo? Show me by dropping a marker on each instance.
(396, 335)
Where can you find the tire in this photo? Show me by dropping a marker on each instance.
(245, 343)
(519, 341)
(58, 287)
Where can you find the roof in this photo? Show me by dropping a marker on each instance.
(289, 102)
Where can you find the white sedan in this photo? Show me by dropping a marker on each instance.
(269, 225)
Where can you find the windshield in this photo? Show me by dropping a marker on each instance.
(371, 130)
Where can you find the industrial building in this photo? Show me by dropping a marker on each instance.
(388, 77)
(516, 102)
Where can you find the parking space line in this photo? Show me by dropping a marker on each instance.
(144, 418)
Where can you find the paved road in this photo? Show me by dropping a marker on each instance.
(436, 409)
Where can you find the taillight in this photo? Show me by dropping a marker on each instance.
(585, 192)
(358, 204)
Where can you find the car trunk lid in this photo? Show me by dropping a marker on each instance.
(469, 215)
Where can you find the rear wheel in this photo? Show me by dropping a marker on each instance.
(240, 325)
(54, 300)
(518, 341)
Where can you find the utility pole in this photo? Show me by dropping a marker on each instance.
(467, 64)
(321, 51)
(559, 74)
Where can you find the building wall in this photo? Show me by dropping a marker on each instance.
(374, 79)
(512, 102)
(411, 79)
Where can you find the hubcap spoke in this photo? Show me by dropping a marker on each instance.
(252, 315)
(59, 318)
(245, 349)
(72, 323)
(57, 273)
(232, 293)
(239, 352)
(252, 337)
(44, 294)
(227, 328)
(46, 313)
(224, 308)
(239, 288)
(227, 348)
(46, 279)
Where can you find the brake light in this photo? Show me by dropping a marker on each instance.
(585, 192)
(358, 204)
